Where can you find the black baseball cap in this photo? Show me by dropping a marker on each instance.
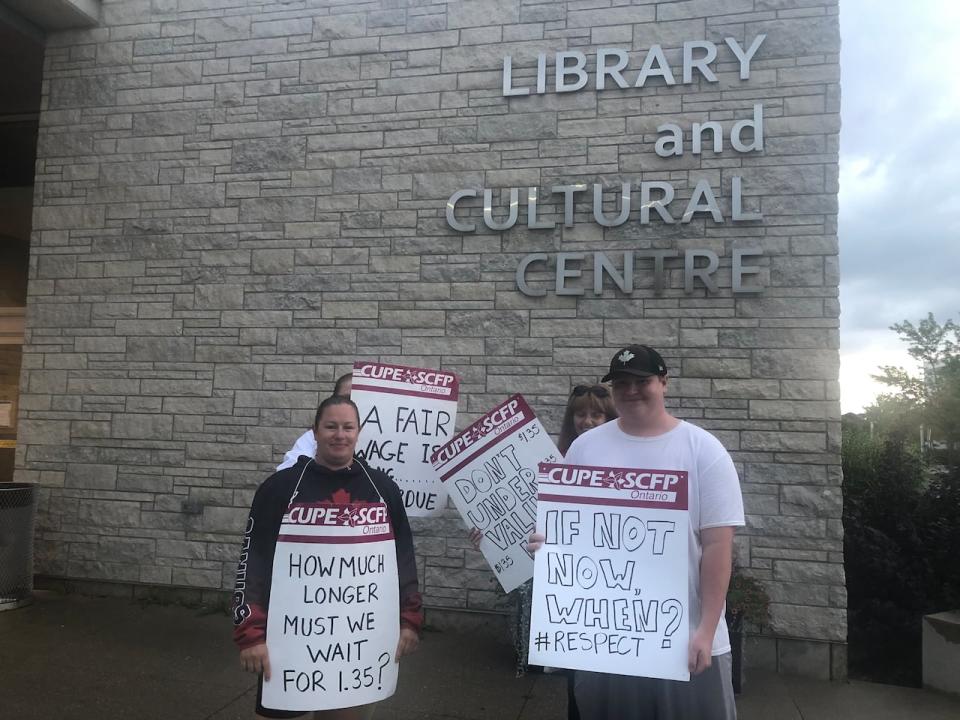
(639, 360)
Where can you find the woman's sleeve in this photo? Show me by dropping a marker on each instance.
(252, 589)
(411, 602)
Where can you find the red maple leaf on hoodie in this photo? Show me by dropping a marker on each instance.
(341, 497)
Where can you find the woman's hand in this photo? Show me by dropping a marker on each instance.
(256, 659)
(535, 541)
(475, 537)
(409, 641)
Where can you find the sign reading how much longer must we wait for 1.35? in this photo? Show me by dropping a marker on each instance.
(406, 413)
(610, 583)
(332, 628)
(490, 471)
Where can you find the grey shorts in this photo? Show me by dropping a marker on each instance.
(708, 696)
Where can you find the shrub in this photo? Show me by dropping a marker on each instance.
(902, 530)
(747, 601)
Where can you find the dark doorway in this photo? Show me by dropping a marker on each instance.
(21, 69)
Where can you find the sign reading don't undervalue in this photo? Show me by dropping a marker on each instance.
(406, 413)
(490, 471)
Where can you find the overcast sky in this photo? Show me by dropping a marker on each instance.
(899, 180)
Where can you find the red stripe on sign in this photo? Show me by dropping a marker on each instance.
(482, 449)
(397, 391)
(628, 481)
(612, 502)
(335, 540)
(372, 372)
(450, 450)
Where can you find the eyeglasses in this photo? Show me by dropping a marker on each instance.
(596, 390)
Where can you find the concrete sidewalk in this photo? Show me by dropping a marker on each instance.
(71, 657)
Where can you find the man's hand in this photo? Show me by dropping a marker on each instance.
(535, 541)
(256, 659)
(715, 565)
(409, 641)
(699, 656)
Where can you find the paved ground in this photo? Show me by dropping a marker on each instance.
(70, 657)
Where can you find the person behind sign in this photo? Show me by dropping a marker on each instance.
(587, 407)
(337, 476)
(306, 444)
(646, 435)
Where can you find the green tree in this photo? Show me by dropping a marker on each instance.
(901, 510)
(930, 399)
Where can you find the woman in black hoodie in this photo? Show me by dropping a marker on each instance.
(337, 477)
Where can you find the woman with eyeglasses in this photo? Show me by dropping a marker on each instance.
(587, 407)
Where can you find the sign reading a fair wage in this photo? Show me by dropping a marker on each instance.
(610, 583)
(406, 414)
(333, 624)
(490, 471)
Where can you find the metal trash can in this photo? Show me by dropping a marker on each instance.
(18, 507)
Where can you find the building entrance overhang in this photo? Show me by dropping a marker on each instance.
(51, 15)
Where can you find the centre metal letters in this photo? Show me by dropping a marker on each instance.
(611, 70)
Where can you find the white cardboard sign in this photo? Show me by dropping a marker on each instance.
(490, 471)
(406, 413)
(333, 623)
(610, 585)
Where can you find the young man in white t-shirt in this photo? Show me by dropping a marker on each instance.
(646, 435)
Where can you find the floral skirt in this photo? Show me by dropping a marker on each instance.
(520, 625)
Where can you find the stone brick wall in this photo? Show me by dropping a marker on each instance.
(235, 199)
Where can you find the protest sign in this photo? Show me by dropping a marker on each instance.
(490, 471)
(406, 413)
(333, 621)
(610, 588)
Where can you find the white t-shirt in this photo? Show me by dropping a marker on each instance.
(713, 486)
(306, 444)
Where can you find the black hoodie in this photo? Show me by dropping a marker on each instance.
(251, 595)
